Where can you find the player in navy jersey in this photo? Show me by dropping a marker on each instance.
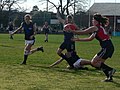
(67, 43)
(11, 28)
(30, 31)
(107, 48)
(74, 61)
(46, 30)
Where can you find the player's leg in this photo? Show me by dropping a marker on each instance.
(26, 52)
(37, 49)
(11, 36)
(59, 52)
(60, 49)
(46, 37)
(98, 62)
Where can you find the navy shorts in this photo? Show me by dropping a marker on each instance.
(106, 51)
(69, 46)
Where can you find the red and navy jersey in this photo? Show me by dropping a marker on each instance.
(101, 35)
(28, 30)
(69, 35)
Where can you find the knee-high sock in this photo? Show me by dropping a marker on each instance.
(25, 59)
(63, 56)
(105, 68)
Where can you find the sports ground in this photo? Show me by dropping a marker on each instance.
(37, 75)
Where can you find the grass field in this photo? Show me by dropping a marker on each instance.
(37, 75)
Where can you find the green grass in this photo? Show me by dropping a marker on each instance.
(37, 76)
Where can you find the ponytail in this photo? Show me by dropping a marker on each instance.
(101, 19)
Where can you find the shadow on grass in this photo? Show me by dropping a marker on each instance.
(117, 84)
(65, 70)
(90, 72)
(7, 46)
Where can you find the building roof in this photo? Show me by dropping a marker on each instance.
(108, 9)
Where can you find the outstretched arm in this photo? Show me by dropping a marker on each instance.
(57, 62)
(18, 29)
(59, 17)
(86, 31)
(85, 39)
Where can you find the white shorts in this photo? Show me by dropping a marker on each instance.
(10, 32)
(29, 42)
(77, 64)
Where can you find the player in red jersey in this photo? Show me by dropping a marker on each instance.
(107, 48)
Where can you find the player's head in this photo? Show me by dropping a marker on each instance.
(99, 19)
(46, 23)
(27, 18)
(69, 19)
(10, 23)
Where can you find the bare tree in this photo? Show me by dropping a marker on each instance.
(8, 4)
(81, 5)
(75, 5)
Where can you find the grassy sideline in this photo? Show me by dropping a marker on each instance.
(36, 75)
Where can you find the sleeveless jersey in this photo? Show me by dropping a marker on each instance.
(101, 35)
(28, 30)
(10, 27)
(69, 35)
(46, 29)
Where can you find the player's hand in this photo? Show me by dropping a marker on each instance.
(50, 66)
(31, 37)
(12, 33)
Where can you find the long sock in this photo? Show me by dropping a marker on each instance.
(105, 69)
(25, 59)
(70, 61)
(63, 56)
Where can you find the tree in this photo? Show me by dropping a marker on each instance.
(69, 5)
(8, 4)
(35, 8)
(81, 5)
(7, 9)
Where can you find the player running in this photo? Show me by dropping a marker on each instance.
(30, 31)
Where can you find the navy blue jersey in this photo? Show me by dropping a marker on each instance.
(46, 29)
(28, 30)
(10, 27)
(68, 36)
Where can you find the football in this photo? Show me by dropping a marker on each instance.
(70, 26)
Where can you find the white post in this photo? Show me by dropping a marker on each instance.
(89, 13)
(47, 6)
(115, 19)
(114, 24)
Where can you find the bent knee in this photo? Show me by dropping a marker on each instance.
(95, 64)
(59, 53)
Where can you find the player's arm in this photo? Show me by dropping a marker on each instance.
(57, 62)
(59, 17)
(85, 39)
(86, 31)
(18, 29)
